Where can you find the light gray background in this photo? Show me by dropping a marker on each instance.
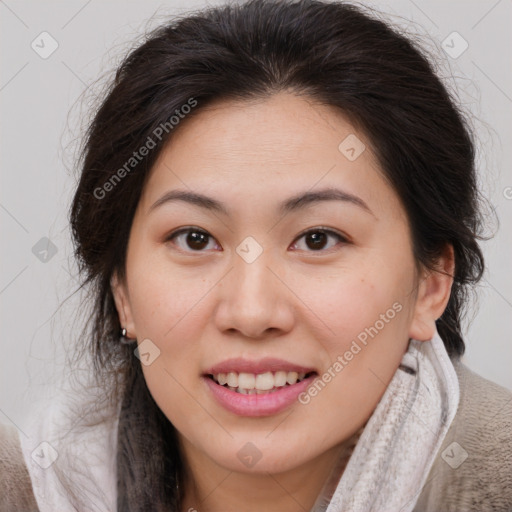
(39, 131)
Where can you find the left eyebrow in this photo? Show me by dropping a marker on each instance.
(297, 202)
(328, 194)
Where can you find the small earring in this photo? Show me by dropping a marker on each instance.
(124, 339)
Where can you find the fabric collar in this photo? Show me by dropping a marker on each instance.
(396, 450)
(70, 451)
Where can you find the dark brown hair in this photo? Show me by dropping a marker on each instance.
(335, 53)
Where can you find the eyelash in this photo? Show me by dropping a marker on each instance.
(320, 229)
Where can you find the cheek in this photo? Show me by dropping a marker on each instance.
(370, 336)
(367, 315)
(351, 303)
(165, 300)
(168, 311)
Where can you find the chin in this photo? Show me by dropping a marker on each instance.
(257, 455)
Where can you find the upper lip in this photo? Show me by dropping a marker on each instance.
(267, 364)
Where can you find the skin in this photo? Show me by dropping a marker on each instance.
(295, 302)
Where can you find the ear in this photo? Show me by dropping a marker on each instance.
(122, 300)
(433, 295)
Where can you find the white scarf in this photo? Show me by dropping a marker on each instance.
(395, 452)
(385, 473)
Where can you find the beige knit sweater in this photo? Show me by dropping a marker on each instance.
(472, 471)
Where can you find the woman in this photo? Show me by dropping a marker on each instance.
(277, 215)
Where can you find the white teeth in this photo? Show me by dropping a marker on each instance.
(250, 384)
(280, 379)
(247, 381)
(264, 381)
(292, 377)
(232, 380)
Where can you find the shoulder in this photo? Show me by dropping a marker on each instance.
(473, 468)
(17, 493)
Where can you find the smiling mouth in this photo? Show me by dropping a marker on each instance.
(258, 384)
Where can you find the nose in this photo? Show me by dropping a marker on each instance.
(254, 300)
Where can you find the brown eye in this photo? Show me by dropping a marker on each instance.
(317, 239)
(194, 239)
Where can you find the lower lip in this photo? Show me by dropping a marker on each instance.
(258, 405)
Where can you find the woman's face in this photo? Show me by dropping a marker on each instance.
(271, 277)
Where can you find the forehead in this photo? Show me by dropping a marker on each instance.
(268, 148)
(283, 125)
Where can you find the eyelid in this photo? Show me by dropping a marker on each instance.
(185, 229)
(325, 229)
